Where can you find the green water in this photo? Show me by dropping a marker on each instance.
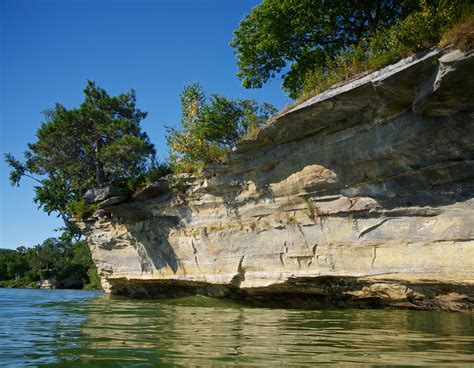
(62, 328)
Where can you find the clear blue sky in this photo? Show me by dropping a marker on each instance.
(49, 48)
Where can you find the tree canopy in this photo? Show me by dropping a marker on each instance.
(295, 37)
(68, 263)
(97, 143)
(210, 126)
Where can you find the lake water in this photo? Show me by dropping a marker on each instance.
(62, 328)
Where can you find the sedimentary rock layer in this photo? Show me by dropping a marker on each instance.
(361, 196)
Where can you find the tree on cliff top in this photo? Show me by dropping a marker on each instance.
(97, 143)
(211, 125)
(298, 37)
(292, 36)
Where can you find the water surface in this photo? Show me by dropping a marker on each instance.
(62, 328)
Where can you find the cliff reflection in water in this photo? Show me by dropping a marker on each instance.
(203, 331)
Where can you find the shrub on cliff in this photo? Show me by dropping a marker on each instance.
(210, 126)
(315, 43)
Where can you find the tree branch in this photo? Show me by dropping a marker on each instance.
(32, 177)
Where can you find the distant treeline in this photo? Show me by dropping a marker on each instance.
(65, 264)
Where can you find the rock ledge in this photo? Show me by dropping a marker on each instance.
(362, 196)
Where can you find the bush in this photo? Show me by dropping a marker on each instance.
(210, 126)
(79, 209)
(94, 280)
(152, 174)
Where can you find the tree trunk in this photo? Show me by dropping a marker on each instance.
(99, 166)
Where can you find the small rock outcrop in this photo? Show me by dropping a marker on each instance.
(104, 196)
(362, 196)
(47, 284)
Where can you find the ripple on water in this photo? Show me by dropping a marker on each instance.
(76, 328)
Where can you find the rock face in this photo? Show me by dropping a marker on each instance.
(360, 197)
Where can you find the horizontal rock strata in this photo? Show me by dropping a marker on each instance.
(360, 197)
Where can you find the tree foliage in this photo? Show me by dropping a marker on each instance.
(210, 126)
(99, 142)
(297, 37)
(68, 263)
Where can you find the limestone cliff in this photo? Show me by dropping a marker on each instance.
(360, 197)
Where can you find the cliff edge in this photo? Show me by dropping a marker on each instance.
(360, 197)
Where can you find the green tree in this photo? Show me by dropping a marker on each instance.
(97, 143)
(46, 259)
(68, 262)
(294, 36)
(12, 264)
(210, 126)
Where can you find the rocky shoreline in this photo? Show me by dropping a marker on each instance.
(360, 197)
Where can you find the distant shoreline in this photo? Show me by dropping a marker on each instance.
(3, 286)
(31, 288)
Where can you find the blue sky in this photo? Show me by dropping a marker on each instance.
(49, 48)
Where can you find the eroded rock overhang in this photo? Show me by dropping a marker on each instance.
(361, 196)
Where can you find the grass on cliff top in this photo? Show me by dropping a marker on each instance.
(461, 35)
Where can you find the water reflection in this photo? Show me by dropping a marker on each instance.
(73, 329)
(201, 331)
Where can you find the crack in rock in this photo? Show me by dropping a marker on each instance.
(373, 227)
(374, 257)
(196, 258)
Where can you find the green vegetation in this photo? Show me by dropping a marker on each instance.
(98, 143)
(211, 125)
(154, 172)
(461, 34)
(316, 43)
(79, 209)
(293, 220)
(420, 30)
(68, 263)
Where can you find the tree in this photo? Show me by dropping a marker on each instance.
(292, 37)
(210, 126)
(97, 143)
(69, 263)
(12, 264)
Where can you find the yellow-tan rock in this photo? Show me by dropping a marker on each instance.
(362, 196)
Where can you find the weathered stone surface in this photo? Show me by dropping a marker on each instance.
(361, 197)
(96, 195)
